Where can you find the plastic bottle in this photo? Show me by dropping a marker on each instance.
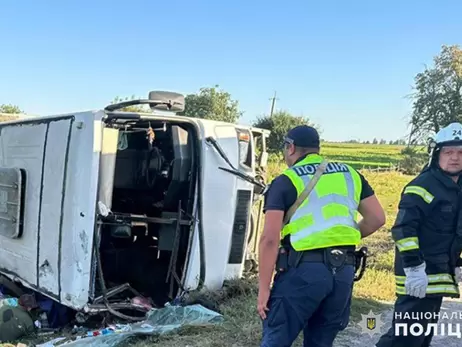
(12, 302)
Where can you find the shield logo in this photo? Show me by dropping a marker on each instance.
(371, 323)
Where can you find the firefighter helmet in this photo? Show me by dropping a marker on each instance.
(450, 135)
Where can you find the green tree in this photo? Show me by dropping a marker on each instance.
(437, 99)
(279, 124)
(212, 103)
(8, 108)
(135, 108)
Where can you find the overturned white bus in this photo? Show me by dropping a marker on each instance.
(95, 204)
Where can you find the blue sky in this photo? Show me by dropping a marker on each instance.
(337, 62)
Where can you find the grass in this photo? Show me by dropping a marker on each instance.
(242, 326)
(361, 156)
(364, 156)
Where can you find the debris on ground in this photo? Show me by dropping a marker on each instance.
(34, 317)
(15, 320)
(214, 299)
(32, 314)
(158, 322)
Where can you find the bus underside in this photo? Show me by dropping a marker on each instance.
(146, 201)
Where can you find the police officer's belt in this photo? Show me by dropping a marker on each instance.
(320, 256)
(334, 256)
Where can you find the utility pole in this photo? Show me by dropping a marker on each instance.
(272, 103)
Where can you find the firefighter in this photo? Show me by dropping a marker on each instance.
(427, 237)
(314, 251)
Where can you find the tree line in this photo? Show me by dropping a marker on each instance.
(375, 141)
(10, 109)
(436, 102)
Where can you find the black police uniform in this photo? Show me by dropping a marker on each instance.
(426, 229)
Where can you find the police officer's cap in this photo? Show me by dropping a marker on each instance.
(303, 136)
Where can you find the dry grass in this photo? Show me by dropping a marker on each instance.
(242, 326)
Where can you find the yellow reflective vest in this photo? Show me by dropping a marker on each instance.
(328, 217)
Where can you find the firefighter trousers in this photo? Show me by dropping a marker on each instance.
(309, 298)
(406, 307)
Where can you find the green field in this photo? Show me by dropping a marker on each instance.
(359, 156)
(363, 156)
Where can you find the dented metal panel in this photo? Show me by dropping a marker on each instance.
(57, 143)
(22, 147)
(11, 192)
(60, 156)
(78, 210)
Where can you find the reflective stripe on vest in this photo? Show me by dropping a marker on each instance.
(328, 216)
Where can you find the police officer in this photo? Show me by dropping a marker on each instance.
(427, 236)
(312, 294)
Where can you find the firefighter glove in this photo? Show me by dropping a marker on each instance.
(416, 280)
(458, 273)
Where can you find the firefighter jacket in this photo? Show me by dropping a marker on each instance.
(427, 229)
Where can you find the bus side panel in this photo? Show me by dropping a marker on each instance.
(218, 201)
(22, 146)
(58, 135)
(76, 240)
